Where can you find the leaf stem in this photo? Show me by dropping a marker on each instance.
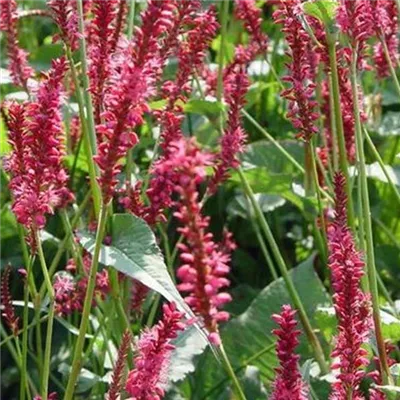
(371, 269)
(77, 360)
(318, 352)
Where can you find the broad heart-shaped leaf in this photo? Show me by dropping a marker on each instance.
(324, 10)
(247, 339)
(135, 253)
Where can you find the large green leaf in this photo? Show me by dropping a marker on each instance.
(324, 10)
(249, 334)
(135, 253)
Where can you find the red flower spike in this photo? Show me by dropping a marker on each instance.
(100, 50)
(65, 15)
(288, 384)
(386, 26)
(250, 14)
(300, 95)
(18, 58)
(8, 312)
(147, 381)
(351, 304)
(232, 141)
(116, 382)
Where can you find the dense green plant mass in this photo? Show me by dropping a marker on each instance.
(200, 199)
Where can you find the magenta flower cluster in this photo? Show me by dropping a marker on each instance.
(351, 304)
(147, 381)
(38, 179)
(288, 384)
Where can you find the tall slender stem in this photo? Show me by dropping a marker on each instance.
(231, 373)
(50, 321)
(339, 125)
(371, 269)
(77, 360)
(318, 352)
(93, 170)
(390, 64)
(24, 381)
(224, 23)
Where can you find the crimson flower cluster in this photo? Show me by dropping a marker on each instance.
(147, 381)
(118, 372)
(101, 45)
(38, 178)
(288, 384)
(18, 64)
(300, 95)
(65, 16)
(131, 84)
(351, 304)
(233, 139)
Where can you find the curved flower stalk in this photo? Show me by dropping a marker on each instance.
(351, 304)
(8, 312)
(38, 178)
(18, 58)
(147, 381)
(288, 384)
(386, 26)
(302, 106)
(233, 139)
(65, 16)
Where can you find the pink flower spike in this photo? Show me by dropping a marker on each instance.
(288, 384)
(147, 381)
(18, 59)
(351, 304)
(300, 95)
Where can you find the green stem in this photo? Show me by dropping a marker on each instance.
(77, 360)
(24, 380)
(50, 321)
(224, 24)
(319, 354)
(231, 373)
(339, 125)
(372, 279)
(389, 61)
(65, 241)
(131, 18)
(89, 151)
(335, 161)
(382, 165)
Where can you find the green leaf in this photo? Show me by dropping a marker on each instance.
(390, 123)
(264, 154)
(86, 379)
(209, 108)
(239, 206)
(248, 338)
(135, 253)
(324, 10)
(188, 345)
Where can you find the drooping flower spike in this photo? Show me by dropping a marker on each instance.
(288, 384)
